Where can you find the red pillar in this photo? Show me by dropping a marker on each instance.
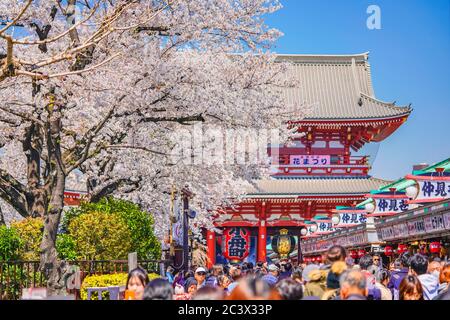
(262, 234)
(211, 244)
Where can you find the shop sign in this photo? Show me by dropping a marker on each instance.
(434, 223)
(430, 188)
(447, 220)
(416, 227)
(400, 230)
(389, 206)
(387, 233)
(357, 238)
(350, 219)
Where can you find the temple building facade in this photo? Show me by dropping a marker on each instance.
(319, 171)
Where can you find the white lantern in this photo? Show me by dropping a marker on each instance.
(412, 191)
(370, 207)
(303, 232)
(335, 219)
(313, 227)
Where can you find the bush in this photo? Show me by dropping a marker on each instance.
(66, 247)
(100, 236)
(106, 280)
(139, 223)
(11, 245)
(30, 230)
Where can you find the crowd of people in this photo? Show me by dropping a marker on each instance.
(339, 277)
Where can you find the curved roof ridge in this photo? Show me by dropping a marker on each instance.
(403, 109)
(325, 58)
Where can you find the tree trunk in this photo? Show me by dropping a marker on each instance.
(2, 218)
(49, 257)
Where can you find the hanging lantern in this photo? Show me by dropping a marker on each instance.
(237, 243)
(402, 248)
(303, 232)
(388, 251)
(361, 253)
(319, 259)
(370, 207)
(313, 227)
(354, 254)
(435, 247)
(283, 244)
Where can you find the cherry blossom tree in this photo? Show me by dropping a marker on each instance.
(108, 88)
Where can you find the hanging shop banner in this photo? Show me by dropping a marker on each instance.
(237, 243)
(309, 160)
(446, 217)
(431, 188)
(325, 228)
(348, 217)
(434, 223)
(416, 227)
(177, 232)
(387, 204)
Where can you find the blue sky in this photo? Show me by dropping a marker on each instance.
(410, 59)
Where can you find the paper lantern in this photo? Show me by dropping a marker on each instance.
(335, 219)
(435, 247)
(402, 248)
(388, 251)
(313, 227)
(303, 232)
(412, 191)
(283, 244)
(370, 207)
(237, 243)
(354, 254)
(319, 259)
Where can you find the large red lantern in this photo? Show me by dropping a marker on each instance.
(361, 253)
(402, 248)
(237, 243)
(319, 259)
(435, 247)
(388, 251)
(354, 254)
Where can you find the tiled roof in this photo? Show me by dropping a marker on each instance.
(315, 186)
(337, 87)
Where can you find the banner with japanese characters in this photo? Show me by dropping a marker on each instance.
(309, 160)
(387, 204)
(434, 223)
(416, 227)
(446, 217)
(345, 218)
(430, 188)
(325, 228)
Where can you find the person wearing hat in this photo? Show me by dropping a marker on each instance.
(315, 281)
(272, 277)
(200, 276)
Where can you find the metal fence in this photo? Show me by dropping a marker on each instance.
(16, 275)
